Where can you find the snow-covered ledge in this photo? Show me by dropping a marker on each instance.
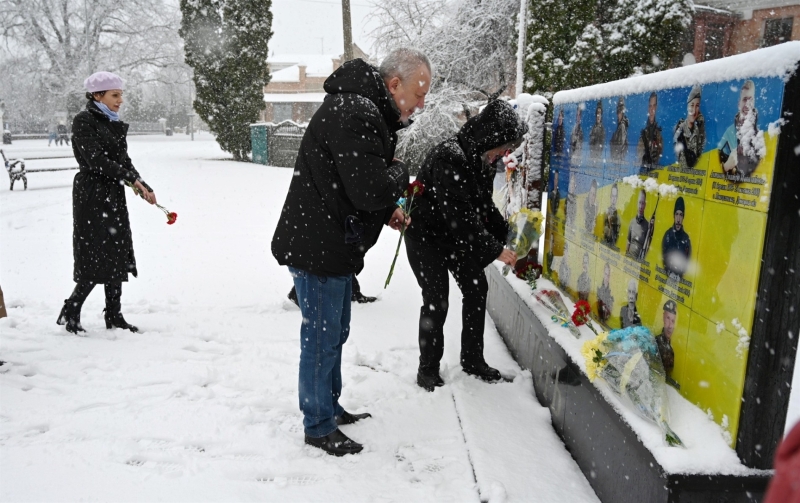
(707, 455)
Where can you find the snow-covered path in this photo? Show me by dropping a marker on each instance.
(202, 405)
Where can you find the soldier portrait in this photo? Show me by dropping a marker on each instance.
(619, 140)
(611, 222)
(629, 315)
(639, 231)
(559, 138)
(576, 138)
(554, 196)
(597, 135)
(605, 300)
(584, 280)
(571, 203)
(590, 208)
(741, 145)
(664, 339)
(651, 142)
(564, 271)
(676, 247)
(690, 133)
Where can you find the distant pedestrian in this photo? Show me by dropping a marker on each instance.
(102, 243)
(345, 189)
(63, 136)
(52, 134)
(458, 229)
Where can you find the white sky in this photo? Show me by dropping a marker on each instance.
(315, 26)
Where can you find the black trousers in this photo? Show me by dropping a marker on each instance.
(431, 265)
(113, 296)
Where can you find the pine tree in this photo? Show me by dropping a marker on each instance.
(577, 43)
(226, 43)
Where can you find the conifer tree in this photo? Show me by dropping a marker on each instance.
(577, 43)
(226, 43)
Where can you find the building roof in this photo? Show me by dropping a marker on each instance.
(317, 65)
(294, 97)
(746, 5)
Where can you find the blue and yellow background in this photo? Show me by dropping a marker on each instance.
(725, 221)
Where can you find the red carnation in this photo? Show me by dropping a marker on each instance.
(171, 217)
(581, 315)
(415, 188)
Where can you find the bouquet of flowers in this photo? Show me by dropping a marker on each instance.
(552, 300)
(406, 203)
(171, 215)
(581, 315)
(525, 229)
(628, 360)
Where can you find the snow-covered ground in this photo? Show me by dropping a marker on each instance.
(202, 405)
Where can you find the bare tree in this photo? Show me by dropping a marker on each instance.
(471, 46)
(63, 41)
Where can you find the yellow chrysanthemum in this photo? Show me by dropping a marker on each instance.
(589, 352)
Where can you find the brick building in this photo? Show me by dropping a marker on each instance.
(295, 89)
(726, 27)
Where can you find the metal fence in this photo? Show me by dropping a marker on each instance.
(283, 142)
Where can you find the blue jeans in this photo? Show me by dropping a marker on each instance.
(325, 306)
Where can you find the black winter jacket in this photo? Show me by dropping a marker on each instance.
(456, 211)
(345, 184)
(101, 240)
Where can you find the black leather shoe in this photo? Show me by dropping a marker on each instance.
(347, 418)
(293, 297)
(429, 382)
(336, 444)
(361, 298)
(117, 321)
(482, 372)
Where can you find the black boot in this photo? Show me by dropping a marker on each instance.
(347, 418)
(115, 320)
(361, 298)
(336, 444)
(71, 312)
(482, 371)
(429, 382)
(112, 313)
(71, 317)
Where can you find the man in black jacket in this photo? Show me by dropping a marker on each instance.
(345, 188)
(458, 228)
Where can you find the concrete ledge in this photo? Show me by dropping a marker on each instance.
(618, 466)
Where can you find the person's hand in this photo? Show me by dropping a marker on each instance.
(396, 222)
(507, 257)
(148, 196)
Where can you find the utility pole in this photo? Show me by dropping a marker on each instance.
(521, 46)
(348, 31)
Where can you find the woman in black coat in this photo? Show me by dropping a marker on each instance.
(101, 240)
(457, 228)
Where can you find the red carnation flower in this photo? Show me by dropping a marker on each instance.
(171, 217)
(415, 188)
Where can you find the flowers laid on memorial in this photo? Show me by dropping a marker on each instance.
(628, 360)
(525, 229)
(529, 274)
(552, 300)
(581, 315)
(406, 203)
(171, 215)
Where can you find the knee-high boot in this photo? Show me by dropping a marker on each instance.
(71, 312)
(113, 314)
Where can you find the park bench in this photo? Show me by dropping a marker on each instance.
(16, 169)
